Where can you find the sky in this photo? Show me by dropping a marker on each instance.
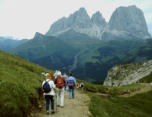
(23, 18)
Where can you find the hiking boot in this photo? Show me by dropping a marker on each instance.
(47, 112)
(52, 112)
(62, 106)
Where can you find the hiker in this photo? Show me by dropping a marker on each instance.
(81, 86)
(65, 78)
(56, 73)
(49, 92)
(71, 82)
(60, 84)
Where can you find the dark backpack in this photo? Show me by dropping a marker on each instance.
(46, 87)
(60, 82)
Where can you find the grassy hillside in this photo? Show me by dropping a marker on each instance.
(135, 106)
(109, 102)
(20, 85)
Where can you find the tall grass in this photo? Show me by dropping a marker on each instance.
(20, 85)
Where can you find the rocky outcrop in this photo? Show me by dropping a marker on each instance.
(38, 36)
(98, 20)
(126, 74)
(129, 19)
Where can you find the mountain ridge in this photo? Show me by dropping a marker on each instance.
(96, 26)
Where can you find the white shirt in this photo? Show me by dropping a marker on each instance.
(52, 86)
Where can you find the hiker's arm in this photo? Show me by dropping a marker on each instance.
(54, 87)
(74, 81)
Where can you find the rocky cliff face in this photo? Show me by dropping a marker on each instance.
(38, 36)
(126, 74)
(98, 19)
(129, 19)
(80, 22)
(125, 23)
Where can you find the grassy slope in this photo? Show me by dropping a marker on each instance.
(136, 106)
(115, 106)
(20, 83)
(112, 90)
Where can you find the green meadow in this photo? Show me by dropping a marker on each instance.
(20, 85)
(20, 90)
(109, 101)
(114, 106)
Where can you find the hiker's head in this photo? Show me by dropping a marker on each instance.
(49, 76)
(70, 74)
(58, 74)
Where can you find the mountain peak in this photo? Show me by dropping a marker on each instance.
(98, 19)
(82, 9)
(130, 19)
(79, 19)
(38, 35)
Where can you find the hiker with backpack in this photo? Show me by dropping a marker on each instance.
(71, 82)
(60, 84)
(49, 93)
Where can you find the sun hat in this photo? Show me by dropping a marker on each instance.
(58, 73)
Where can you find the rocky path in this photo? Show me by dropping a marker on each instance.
(78, 107)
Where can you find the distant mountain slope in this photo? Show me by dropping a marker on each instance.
(89, 59)
(20, 83)
(6, 44)
(51, 52)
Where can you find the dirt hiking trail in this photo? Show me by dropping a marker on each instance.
(78, 107)
(145, 88)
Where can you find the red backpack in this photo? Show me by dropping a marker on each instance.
(59, 82)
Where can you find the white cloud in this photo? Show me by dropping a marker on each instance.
(22, 18)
